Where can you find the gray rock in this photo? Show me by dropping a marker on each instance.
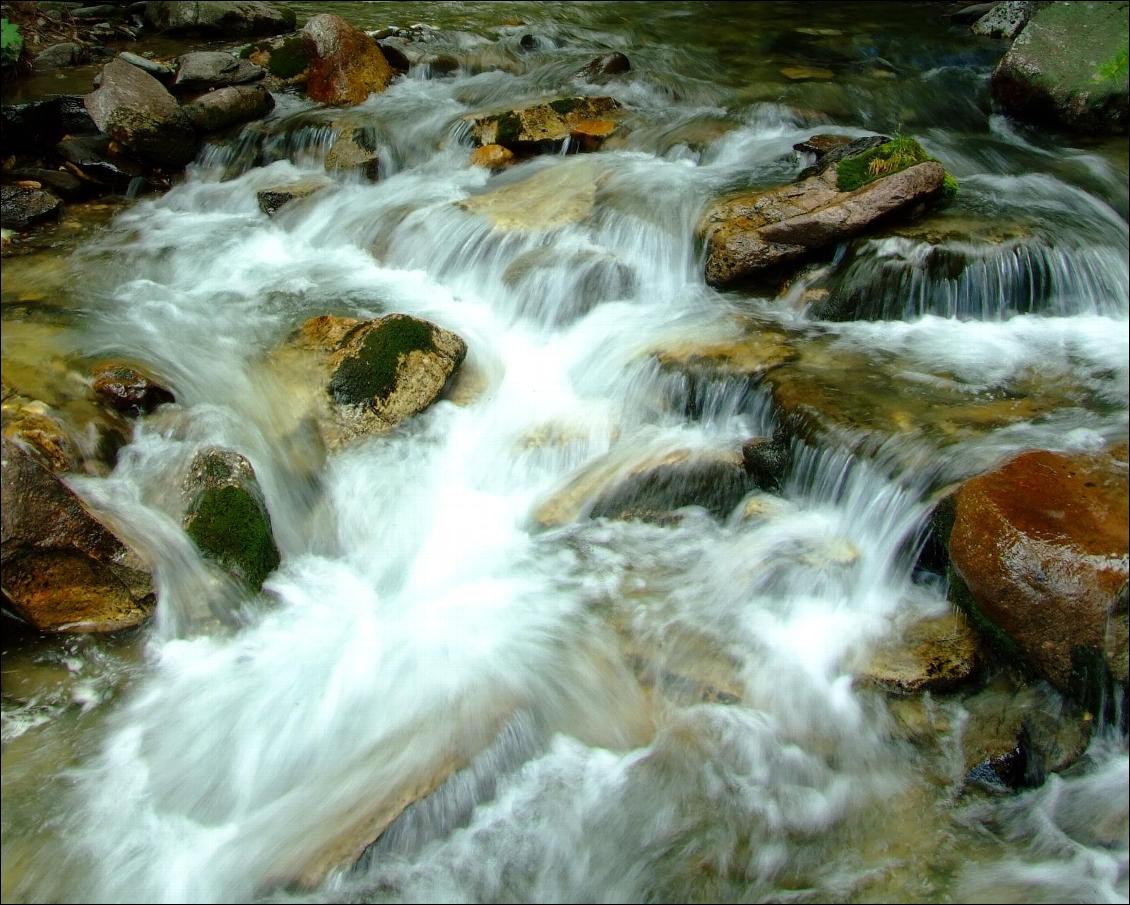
(202, 70)
(61, 182)
(59, 56)
(101, 11)
(136, 111)
(228, 106)
(1005, 20)
(1068, 69)
(219, 18)
(163, 72)
(21, 207)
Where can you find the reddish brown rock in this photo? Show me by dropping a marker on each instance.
(1040, 544)
(63, 569)
(346, 65)
(128, 390)
(493, 157)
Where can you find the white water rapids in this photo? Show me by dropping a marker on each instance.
(423, 630)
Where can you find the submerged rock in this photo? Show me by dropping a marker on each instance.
(346, 65)
(649, 487)
(128, 390)
(558, 196)
(538, 127)
(604, 68)
(23, 206)
(933, 654)
(355, 150)
(64, 569)
(273, 199)
(1040, 550)
(227, 516)
(229, 106)
(135, 110)
(754, 235)
(1068, 68)
(219, 18)
(492, 157)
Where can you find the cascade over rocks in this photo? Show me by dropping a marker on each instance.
(346, 65)
(1039, 548)
(64, 570)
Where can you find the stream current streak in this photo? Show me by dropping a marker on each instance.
(605, 710)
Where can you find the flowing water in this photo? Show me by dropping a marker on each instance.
(601, 710)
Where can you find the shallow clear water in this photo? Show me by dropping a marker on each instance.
(601, 710)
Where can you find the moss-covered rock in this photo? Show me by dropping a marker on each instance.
(227, 517)
(752, 236)
(1069, 68)
(286, 59)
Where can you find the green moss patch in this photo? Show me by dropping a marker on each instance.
(288, 59)
(371, 373)
(564, 106)
(898, 154)
(509, 128)
(231, 527)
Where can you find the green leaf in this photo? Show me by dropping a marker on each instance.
(11, 41)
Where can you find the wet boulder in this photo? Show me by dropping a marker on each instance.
(766, 460)
(286, 59)
(374, 374)
(346, 65)
(751, 236)
(492, 157)
(934, 654)
(229, 106)
(649, 487)
(1004, 20)
(60, 56)
(64, 569)
(24, 205)
(162, 72)
(37, 428)
(135, 110)
(1068, 69)
(604, 68)
(128, 390)
(1038, 555)
(542, 127)
(219, 18)
(394, 367)
(273, 199)
(203, 70)
(227, 516)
